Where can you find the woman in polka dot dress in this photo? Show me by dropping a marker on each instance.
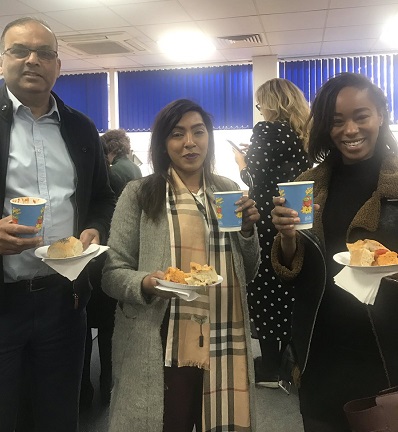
(276, 154)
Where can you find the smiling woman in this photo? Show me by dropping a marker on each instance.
(160, 223)
(338, 339)
(356, 125)
(187, 149)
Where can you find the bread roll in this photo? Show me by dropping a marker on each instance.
(361, 257)
(65, 248)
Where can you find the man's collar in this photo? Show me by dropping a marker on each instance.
(17, 104)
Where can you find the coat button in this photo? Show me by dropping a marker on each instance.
(4, 107)
(84, 149)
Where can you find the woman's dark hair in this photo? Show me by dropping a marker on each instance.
(321, 118)
(153, 190)
(116, 141)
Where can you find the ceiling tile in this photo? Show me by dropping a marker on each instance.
(155, 31)
(114, 62)
(77, 65)
(231, 26)
(13, 7)
(123, 2)
(152, 12)
(59, 5)
(294, 21)
(384, 47)
(307, 50)
(283, 6)
(294, 37)
(360, 16)
(352, 32)
(88, 19)
(360, 46)
(212, 9)
(242, 54)
(355, 3)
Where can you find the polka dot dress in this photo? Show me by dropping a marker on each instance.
(275, 155)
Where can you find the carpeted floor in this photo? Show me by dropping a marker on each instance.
(276, 411)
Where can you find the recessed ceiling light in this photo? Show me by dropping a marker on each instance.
(186, 46)
(389, 34)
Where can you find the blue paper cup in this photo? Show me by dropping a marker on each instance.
(228, 219)
(28, 211)
(299, 197)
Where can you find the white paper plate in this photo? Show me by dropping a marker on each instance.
(41, 252)
(343, 258)
(185, 287)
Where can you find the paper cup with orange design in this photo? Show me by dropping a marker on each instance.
(228, 218)
(299, 197)
(28, 211)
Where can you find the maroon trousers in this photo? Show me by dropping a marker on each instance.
(183, 396)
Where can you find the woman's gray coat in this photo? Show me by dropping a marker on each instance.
(138, 247)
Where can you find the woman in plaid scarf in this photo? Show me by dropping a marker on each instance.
(180, 364)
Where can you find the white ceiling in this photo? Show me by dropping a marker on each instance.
(288, 28)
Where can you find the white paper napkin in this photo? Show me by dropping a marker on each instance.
(361, 283)
(187, 295)
(72, 268)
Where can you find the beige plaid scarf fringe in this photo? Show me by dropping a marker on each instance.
(216, 314)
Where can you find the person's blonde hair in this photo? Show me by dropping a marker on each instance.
(284, 101)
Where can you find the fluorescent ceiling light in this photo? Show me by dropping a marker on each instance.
(186, 46)
(389, 34)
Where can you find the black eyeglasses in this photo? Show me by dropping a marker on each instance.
(258, 106)
(23, 52)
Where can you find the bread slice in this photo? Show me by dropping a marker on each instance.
(174, 274)
(67, 247)
(202, 275)
(359, 244)
(361, 257)
(389, 258)
(373, 245)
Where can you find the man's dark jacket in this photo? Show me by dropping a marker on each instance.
(94, 199)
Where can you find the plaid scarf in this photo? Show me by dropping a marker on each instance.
(209, 331)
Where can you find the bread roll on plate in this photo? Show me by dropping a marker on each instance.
(67, 247)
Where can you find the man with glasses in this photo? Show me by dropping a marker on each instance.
(52, 151)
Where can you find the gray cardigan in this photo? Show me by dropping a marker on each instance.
(138, 247)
